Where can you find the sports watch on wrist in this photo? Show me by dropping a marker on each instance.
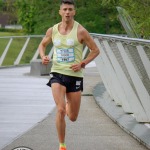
(83, 65)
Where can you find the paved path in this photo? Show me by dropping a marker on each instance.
(93, 130)
(24, 101)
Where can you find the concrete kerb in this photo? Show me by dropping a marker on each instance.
(14, 66)
(37, 68)
(126, 121)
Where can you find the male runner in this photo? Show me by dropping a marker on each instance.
(66, 81)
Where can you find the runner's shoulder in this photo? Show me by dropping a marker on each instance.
(49, 32)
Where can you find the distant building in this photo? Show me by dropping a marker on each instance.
(16, 27)
(4, 19)
(7, 19)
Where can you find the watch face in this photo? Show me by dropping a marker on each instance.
(83, 65)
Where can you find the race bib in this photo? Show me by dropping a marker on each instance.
(65, 55)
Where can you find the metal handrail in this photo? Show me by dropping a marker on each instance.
(120, 38)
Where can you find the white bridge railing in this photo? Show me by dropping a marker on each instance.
(12, 41)
(123, 64)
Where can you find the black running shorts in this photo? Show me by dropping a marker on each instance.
(72, 84)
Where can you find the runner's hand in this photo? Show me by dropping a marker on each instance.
(76, 67)
(45, 60)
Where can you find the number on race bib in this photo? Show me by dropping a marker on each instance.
(65, 55)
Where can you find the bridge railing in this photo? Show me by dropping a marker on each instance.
(18, 47)
(124, 66)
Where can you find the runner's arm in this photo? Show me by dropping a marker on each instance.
(89, 41)
(84, 37)
(42, 46)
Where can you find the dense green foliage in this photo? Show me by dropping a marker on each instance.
(98, 16)
(38, 17)
(139, 12)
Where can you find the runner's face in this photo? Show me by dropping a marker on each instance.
(67, 12)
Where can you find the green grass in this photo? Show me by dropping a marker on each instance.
(3, 44)
(10, 33)
(14, 50)
(30, 50)
(16, 46)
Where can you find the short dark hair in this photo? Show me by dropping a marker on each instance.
(70, 2)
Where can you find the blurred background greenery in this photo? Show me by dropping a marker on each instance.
(98, 16)
(36, 16)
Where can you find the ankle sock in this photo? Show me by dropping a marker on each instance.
(62, 145)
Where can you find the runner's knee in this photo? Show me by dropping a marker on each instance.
(73, 118)
(61, 112)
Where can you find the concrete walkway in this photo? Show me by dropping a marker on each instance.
(24, 101)
(93, 130)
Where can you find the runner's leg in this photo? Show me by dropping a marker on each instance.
(73, 105)
(59, 92)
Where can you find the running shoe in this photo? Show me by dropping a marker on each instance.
(62, 148)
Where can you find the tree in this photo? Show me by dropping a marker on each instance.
(8, 6)
(98, 18)
(8, 10)
(140, 13)
(38, 16)
(1, 5)
(26, 11)
(138, 10)
(46, 17)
